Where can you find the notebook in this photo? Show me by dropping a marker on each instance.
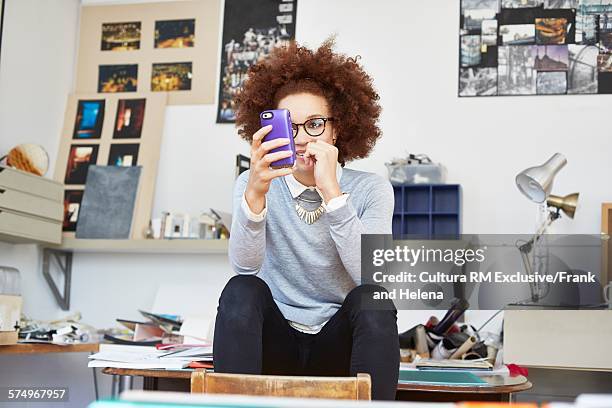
(430, 377)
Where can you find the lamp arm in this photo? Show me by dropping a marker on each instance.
(526, 248)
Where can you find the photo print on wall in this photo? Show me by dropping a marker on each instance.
(251, 29)
(120, 36)
(123, 155)
(129, 119)
(174, 33)
(535, 47)
(72, 205)
(117, 78)
(172, 76)
(89, 119)
(79, 160)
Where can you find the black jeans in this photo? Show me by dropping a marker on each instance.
(253, 337)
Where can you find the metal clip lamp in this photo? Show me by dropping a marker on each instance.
(536, 184)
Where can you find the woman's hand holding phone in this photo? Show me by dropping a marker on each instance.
(261, 174)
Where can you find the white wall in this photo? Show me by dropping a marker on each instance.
(410, 48)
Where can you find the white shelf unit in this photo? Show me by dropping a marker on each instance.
(136, 246)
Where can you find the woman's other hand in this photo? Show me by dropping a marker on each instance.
(325, 157)
(261, 174)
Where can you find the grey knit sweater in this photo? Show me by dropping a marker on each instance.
(310, 268)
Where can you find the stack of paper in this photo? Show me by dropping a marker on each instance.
(189, 354)
(453, 364)
(136, 357)
(141, 357)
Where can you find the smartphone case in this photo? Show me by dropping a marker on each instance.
(281, 127)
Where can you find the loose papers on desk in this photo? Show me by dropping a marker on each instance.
(141, 357)
(190, 354)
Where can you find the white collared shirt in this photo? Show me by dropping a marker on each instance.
(296, 188)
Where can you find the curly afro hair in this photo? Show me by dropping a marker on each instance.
(340, 79)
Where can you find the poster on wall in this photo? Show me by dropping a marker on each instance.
(251, 29)
(158, 47)
(535, 47)
(116, 130)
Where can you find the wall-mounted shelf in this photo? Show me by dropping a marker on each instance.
(59, 257)
(157, 246)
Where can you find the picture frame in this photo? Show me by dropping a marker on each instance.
(163, 47)
(534, 47)
(138, 147)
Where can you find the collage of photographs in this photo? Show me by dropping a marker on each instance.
(535, 47)
(85, 147)
(126, 36)
(250, 31)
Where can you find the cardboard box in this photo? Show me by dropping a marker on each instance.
(7, 338)
(10, 314)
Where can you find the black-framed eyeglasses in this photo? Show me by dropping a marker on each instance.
(313, 127)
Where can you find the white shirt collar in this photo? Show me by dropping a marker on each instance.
(296, 188)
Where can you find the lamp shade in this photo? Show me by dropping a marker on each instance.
(566, 204)
(536, 182)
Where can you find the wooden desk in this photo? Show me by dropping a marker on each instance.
(500, 387)
(41, 348)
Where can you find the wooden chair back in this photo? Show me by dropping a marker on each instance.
(352, 388)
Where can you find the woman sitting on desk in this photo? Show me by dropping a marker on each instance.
(294, 308)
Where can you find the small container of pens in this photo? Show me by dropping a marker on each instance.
(415, 169)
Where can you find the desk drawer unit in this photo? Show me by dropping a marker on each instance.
(30, 204)
(31, 208)
(22, 228)
(28, 183)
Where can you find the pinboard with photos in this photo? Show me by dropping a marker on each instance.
(110, 130)
(535, 47)
(164, 47)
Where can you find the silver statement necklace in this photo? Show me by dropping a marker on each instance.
(308, 216)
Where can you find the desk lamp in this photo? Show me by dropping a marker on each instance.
(536, 183)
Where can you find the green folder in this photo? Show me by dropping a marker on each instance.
(460, 378)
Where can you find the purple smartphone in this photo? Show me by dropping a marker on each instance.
(281, 127)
